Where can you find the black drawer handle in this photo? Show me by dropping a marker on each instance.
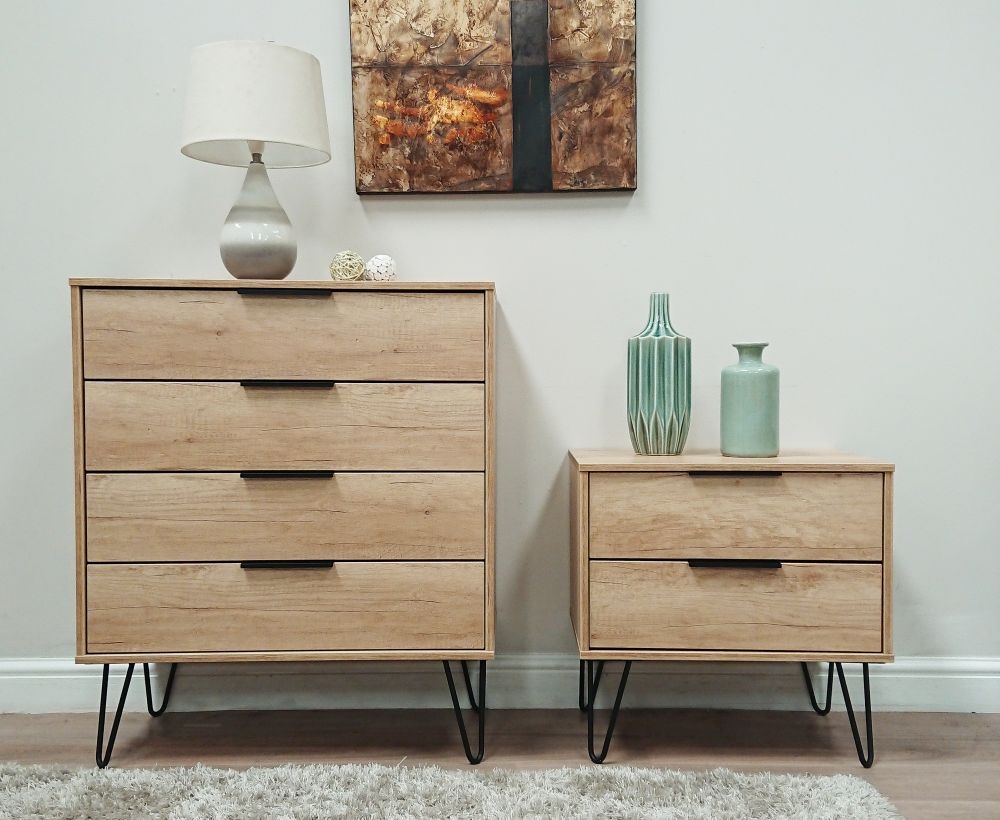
(733, 563)
(307, 564)
(322, 293)
(308, 384)
(737, 473)
(286, 473)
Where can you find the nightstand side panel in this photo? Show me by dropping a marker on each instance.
(79, 469)
(579, 505)
(887, 500)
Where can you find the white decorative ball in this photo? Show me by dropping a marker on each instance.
(380, 268)
(347, 265)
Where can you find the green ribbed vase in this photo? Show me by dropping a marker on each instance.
(659, 384)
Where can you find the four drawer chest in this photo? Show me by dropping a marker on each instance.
(284, 472)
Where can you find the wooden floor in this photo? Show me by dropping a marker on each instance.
(929, 765)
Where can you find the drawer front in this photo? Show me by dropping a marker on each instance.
(221, 607)
(221, 334)
(223, 517)
(799, 607)
(180, 426)
(790, 516)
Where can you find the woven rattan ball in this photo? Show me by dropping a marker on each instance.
(347, 265)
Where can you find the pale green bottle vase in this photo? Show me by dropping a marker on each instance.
(659, 384)
(749, 425)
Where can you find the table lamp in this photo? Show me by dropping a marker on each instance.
(249, 103)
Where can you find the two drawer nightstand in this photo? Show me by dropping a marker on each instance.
(708, 558)
(294, 471)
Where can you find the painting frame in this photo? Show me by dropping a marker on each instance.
(494, 96)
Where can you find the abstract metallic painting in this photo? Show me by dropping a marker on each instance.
(493, 95)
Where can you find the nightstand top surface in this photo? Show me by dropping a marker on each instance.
(293, 284)
(620, 460)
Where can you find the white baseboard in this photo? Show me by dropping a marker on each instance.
(516, 681)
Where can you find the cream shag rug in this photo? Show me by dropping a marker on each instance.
(418, 792)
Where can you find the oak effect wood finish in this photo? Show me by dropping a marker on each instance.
(224, 608)
(225, 335)
(79, 474)
(622, 461)
(787, 516)
(491, 471)
(226, 426)
(824, 520)
(293, 286)
(579, 527)
(347, 516)
(402, 417)
(798, 607)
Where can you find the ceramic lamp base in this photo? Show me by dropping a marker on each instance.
(257, 240)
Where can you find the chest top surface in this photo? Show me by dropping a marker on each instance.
(622, 460)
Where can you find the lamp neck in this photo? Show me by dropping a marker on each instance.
(255, 157)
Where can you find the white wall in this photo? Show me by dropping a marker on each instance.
(822, 175)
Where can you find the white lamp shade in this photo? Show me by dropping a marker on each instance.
(244, 92)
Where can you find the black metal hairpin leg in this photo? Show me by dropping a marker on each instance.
(478, 706)
(866, 753)
(866, 757)
(812, 693)
(166, 692)
(597, 682)
(468, 686)
(104, 757)
(592, 682)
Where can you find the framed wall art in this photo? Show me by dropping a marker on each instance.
(456, 96)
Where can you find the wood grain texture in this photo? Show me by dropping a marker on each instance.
(290, 284)
(491, 466)
(79, 489)
(180, 426)
(221, 607)
(431, 610)
(286, 656)
(578, 564)
(794, 516)
(797, 608)
(620, 460)
(222, 517)
(887, 565)
(220, 334)
(733, 655)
